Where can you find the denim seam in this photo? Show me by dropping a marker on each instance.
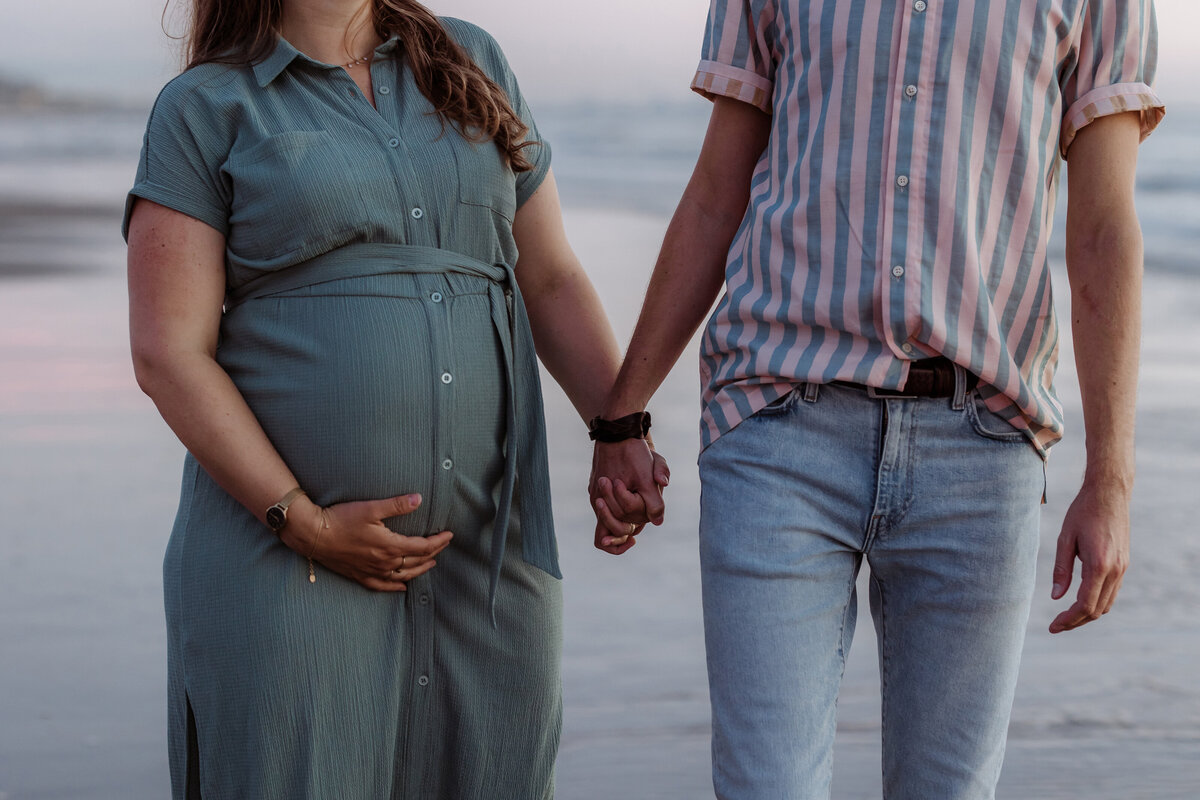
(885, 657)
(846, 611)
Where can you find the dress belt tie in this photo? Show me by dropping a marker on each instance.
(525, 437)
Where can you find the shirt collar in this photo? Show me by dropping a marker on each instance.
(284, 54)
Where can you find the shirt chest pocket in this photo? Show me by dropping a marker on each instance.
(292, 192)
(487, 190)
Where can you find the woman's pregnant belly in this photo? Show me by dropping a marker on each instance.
(369, 395)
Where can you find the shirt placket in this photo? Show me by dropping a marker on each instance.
(384, 122)
(902, 280)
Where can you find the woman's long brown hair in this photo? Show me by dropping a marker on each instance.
(244, 31)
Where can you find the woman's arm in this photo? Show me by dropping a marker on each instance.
(176, 290)
(572, 334)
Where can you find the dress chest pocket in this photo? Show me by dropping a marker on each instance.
(294, 191)
(487, 189)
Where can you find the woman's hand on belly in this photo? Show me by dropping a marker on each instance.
(351, 539)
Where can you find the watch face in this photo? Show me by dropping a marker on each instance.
(276, 518)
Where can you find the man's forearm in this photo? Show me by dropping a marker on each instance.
(685, 282)
(1106, 289)
(1104, 263)
(691, 264)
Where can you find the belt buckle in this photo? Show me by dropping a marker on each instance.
(877, 393)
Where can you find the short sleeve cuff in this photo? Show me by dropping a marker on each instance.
(714, 79)
(1107, 100)
(178, 202)
(528, 182)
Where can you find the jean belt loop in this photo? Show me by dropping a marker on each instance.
(960, 388)
(811, 392)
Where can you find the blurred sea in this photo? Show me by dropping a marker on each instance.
(89, 481)
(632, 158)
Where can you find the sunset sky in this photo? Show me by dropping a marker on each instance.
(560, 49)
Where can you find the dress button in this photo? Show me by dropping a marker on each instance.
(447, 377)
(919, 6)
(910, 90)
(384, 90)
(436, 297)
(423, 680)
(897, 270)
(447, 464)
(393, 142)
(417, 213)
(902, 181)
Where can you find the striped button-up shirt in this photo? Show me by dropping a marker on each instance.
(902, 208)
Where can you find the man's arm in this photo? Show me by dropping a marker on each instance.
(1104, 262)
(686, 279)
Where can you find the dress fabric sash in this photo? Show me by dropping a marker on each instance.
(526, 429)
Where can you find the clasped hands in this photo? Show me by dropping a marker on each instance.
(625, 490)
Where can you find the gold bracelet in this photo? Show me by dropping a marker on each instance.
(312, 575)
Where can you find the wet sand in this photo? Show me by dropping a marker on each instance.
(89, 480)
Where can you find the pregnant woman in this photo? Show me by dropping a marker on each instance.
(328, 308)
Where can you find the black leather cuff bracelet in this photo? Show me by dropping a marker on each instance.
(633, 426)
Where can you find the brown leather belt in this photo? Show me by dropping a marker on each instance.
(929, 377)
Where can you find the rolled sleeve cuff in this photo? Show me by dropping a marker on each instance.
(529, 182)
(1115, 99)
(714, 79)
(176, 201)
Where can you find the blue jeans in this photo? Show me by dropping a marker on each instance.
(942, 498)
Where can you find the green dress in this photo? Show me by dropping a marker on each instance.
(375, 328)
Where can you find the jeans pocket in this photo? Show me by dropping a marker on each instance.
(781, 405)
(990, 425)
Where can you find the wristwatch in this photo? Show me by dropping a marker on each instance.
(277, 514)
(631, 426)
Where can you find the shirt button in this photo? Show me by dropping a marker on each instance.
(393, 142)
(423, 599)
(423, 680)
(447, 377)
(384, 90)
(417, 213)
(902, 181)
(919, 6)
(436, 297)
(447, 464)
(897, 270)
(910, 90)
(907, 348)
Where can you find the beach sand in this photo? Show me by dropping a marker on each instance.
(89, 481)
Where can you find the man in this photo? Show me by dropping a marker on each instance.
(875, 190)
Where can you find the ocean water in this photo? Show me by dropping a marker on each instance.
(89, 481)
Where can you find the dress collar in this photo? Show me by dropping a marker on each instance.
(284, 54)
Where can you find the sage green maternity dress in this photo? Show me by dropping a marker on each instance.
(374, 327)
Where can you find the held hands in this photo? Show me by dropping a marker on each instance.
(626, 492)
(357, 545)
(1096, 531)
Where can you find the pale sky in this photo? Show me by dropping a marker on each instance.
(560, 49)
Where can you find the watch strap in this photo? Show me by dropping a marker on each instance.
(289, 498)
(631, 426)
